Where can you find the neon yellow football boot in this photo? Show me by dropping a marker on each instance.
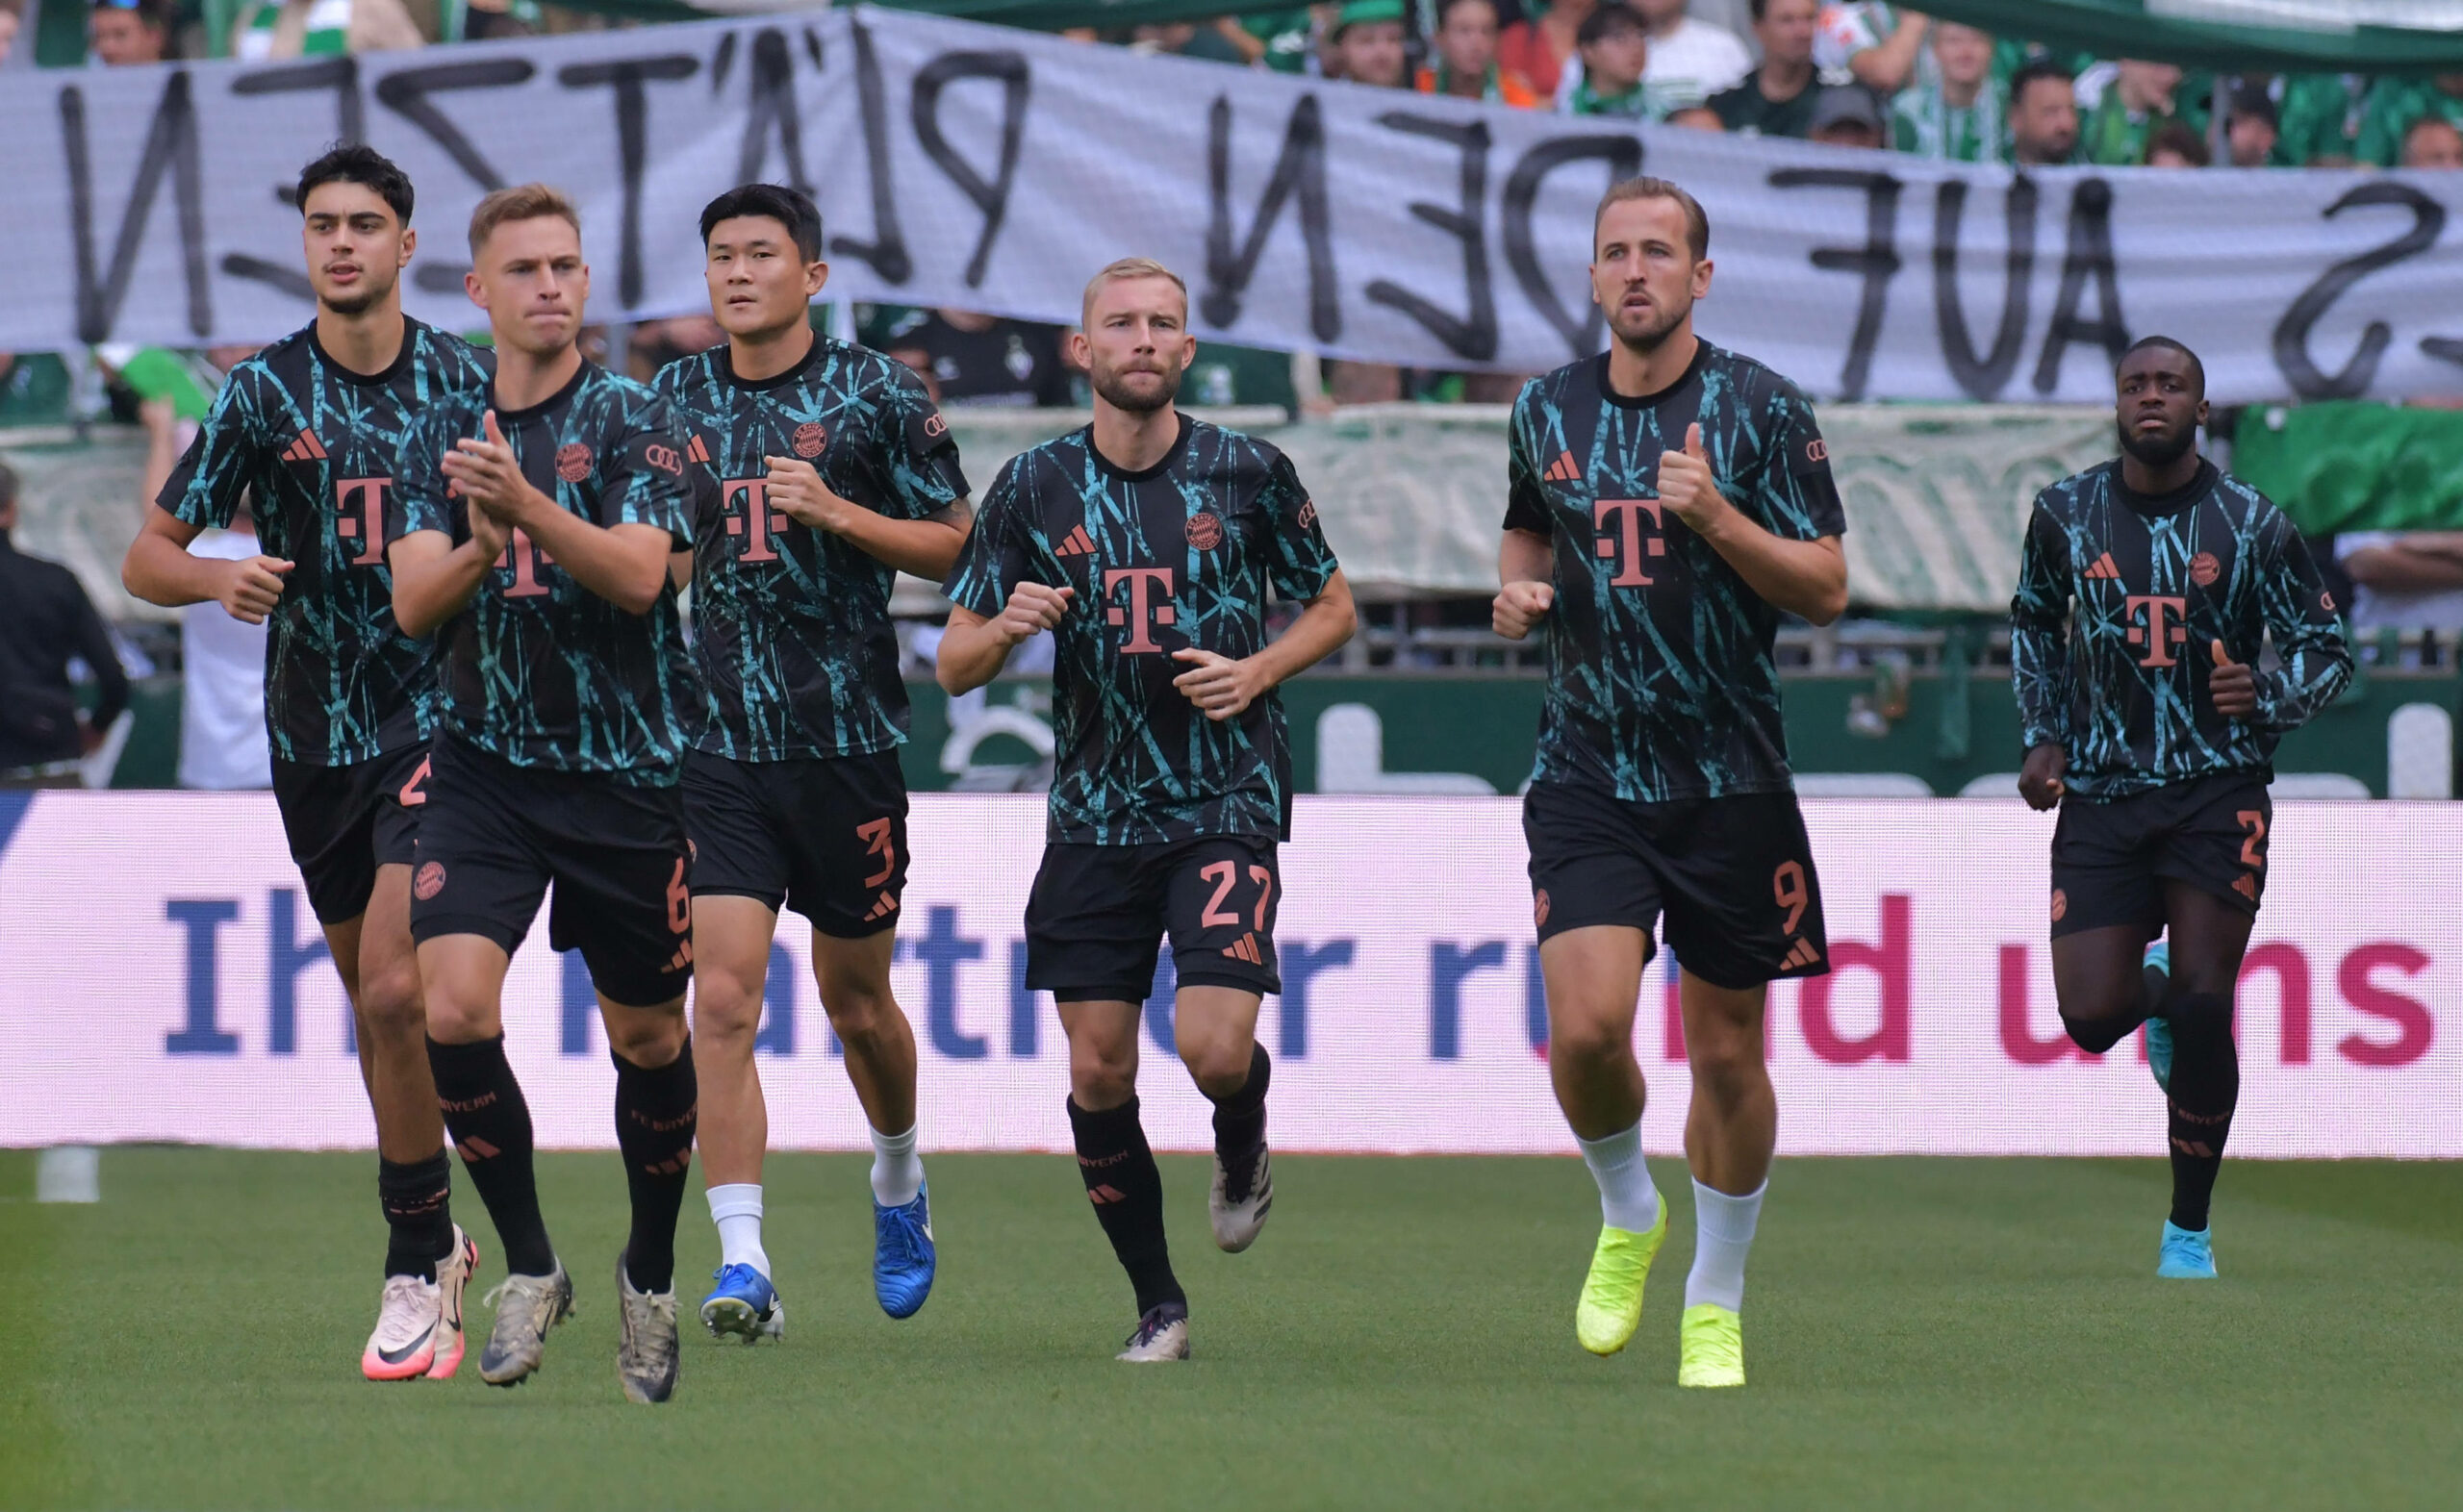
(1711, 1347)
(1610, 1308)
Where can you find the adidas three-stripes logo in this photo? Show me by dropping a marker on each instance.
(1563, 469)
(697, 450)
(307, 448)
(2104, 569)
(1245, 948)
(1076, 544)
(1801, 953)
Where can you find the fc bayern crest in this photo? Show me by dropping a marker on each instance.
(572, 462)
(809, 440)
(2204, 569)
(1206, 532)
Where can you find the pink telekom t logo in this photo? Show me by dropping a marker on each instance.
(1144, 609)
(2157, 634)
(756, 521)
(523, 559)
(1620, 524)
(359, 515)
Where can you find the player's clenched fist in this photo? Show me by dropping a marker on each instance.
(2040, 780)
(1521, 606)
(251, 588)
(796, 488)
(2232, 686)
(1687, 489)
(1033, 608)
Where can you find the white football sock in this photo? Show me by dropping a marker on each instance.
(898, 1172)
(1627, 1200)
(737, 1211)
(1723, 1237)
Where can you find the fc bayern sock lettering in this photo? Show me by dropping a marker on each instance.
(1122, 1181)
(2198, 1106)
(1723, 1237)
(736, 1209)
(415, 1196)
(1627, 1199)
(1240, 1118)
(657, 1112)
(490, 1123)
(898, 1172)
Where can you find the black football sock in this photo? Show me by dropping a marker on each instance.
(2206, 1086)
(1240, 1118)
(656, 1114)
(2155, 985)
(490, 1121)
(415, 1198)
(1128, 1193)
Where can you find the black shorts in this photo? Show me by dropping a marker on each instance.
(493, 835)
(344, 822)
(1097, 916)
(826, 837)
(1735, 876)
(2110, 859)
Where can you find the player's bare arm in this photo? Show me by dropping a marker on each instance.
(973, 649)
(1525, 559)
(626, 565)
(434, 579)
(926, 547)
(1803, 577)
(1223, 687)
(159, 571)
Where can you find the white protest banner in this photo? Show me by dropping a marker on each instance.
(160, 978)
(978, 166)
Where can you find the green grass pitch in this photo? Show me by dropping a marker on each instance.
(1955, 1333)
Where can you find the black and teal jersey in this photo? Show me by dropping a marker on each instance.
(791, 625)
(1660, 682)
(2121, 683)
(314, 444)
(537, 668)
(1179, 555)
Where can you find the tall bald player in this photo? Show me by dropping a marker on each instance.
(1147, 543)
(1668, 501)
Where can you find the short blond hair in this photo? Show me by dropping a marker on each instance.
(1128, 267)
(520, 202)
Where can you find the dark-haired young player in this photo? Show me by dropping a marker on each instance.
(1667, 500)
(1147, 543)
(825, 471)
(2147, 585)
(537, 518)
(312, 425)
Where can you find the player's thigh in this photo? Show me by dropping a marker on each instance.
(328, 821)
(732, 937)
(1587, 865)
(1593, 977)
(2101, 973)
(1723, 1025)
(481, 876)
(2217, 845)
(846, 822)
(1743, 894)
(389, 967)
(2209, 935)
(2103, 865)
(1094, 924)
(739, 843)
(1220, 895)
(622, 898)
(1216, 1030)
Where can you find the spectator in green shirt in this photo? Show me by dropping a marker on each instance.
(1614, 48)
(1279, 39)
(2044, 116)
(2140, 97)
(1777, 98)
(2319, 117)
(1960, 115)
(2394, 104)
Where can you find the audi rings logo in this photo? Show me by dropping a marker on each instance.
(666, 459)
(1817, 450)
(935, 426)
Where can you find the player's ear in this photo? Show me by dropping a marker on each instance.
(2202, 413)
(1188, 349)
(816, 276)
(1081, 350)
(478, 291)
(1701, 278)
(410, 244)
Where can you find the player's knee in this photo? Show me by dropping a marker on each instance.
(1220, 1068)
(727, 1009)
(2096, 1034)
(859, 1012)
(648, 1040)
(1588, 1038)
(390, 1008)
(1102, 1076)
(1725, 1065)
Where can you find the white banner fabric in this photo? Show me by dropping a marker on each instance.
(960, 164)
(162, 980)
